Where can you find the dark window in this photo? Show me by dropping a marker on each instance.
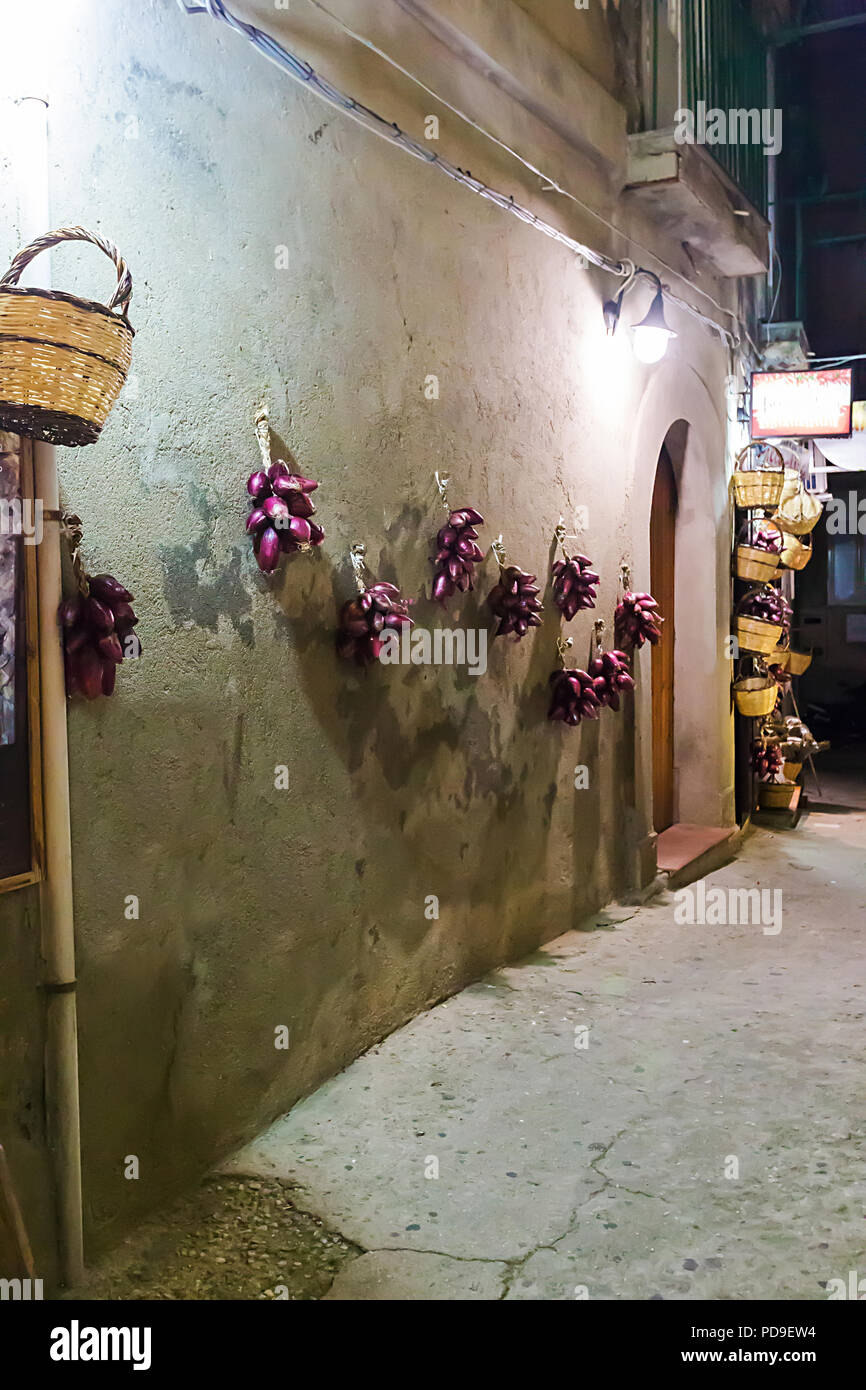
(846, 571)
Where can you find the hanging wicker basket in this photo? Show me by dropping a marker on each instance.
(780, 657)
(63, 359)
(796, 554)
(776, 796)
(757, 635)
(799, 514)
(758, 487)
(751, 562)
(755, 696)
(798, 662)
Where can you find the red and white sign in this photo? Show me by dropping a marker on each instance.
(801, 405)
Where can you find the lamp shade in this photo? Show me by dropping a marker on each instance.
(652, 334)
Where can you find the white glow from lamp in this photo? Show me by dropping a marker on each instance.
(652, 334)
(650, 344)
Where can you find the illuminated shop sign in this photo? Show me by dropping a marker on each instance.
(801, 405)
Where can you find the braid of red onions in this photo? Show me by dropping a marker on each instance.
(379, 607)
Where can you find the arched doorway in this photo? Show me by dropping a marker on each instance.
(663, 528)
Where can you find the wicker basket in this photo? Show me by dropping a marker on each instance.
(776, 795)
(755, 697)
(780, 657)
(792, 771)
(758, 487)
(800, 514)
(63, 360)
(757, 635)
(798, 662)
(791, 485)
(795, 554)
(753, 563)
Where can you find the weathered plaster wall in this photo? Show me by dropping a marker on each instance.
(306, 907)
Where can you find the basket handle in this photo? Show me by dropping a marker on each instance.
(123, 292)
(738, 461)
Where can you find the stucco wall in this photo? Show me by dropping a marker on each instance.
(306, 907)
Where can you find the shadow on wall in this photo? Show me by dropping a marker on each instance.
(391, 727)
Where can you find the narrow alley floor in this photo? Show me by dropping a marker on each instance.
(643, 1109)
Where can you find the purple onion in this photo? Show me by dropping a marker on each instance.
(514, 601)
(574, 585)
(456, 553)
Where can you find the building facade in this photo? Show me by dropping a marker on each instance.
(432, 823)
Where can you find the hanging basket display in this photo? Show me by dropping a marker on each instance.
(63, 359)
(757, 565)
(800, 514)
(796, 554)
(791, 485)
(758, 554)
(762, 618)
(755, 696)
(798, 662)
(756, 635)
(761, 486)
(776, 796)
(780, 657)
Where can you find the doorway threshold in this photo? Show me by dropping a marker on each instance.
(687, 852)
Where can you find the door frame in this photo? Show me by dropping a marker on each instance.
(680, 410)
(663, 585)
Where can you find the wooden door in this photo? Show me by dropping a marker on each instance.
(663, 523)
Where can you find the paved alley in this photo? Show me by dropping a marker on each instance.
(644, 1109)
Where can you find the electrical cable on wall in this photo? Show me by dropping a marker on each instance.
(389, 130)
(550, 185)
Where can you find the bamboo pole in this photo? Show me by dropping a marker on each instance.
(56, 904)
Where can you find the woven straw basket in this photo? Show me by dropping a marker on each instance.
(791, 485)
(63, 359)
(795, 554)
(758, 487)
(792, 771)
(757, 635)
(754, 563)
(780, 657)
(798, 662)
(755, 697)
(776, 795)
(799, 514)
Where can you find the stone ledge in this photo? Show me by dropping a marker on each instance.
(693, 199)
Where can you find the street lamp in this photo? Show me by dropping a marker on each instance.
(652, 334)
